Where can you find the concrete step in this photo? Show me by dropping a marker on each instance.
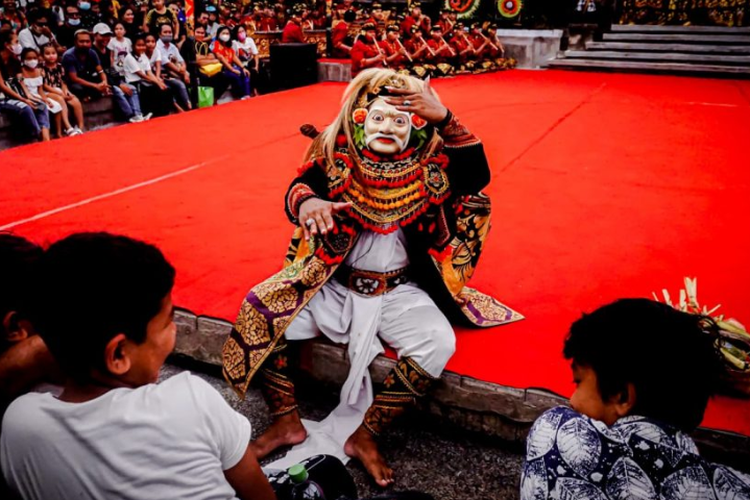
(669, 47)
(660, 56)
(646, 66)
(678, 37)
(696, 30)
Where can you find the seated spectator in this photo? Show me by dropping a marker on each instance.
(54, 85)
(137, 74)
(175, 7)
(208, 67)
(644, 373)
(70, 26)
(212, 26)
(119, 47)
(102, 39)
(159, 15)
(293, 29)
(31, 80)
(127, 18)
(247, 52)
(32, 117)
(12, 15)
(25, 360)
(340, 39)
(113, 428)
(38, 34)
(154, 58)
(86, 77)
(108, 12)
(234, 72)
(173, 68)
(89, 18)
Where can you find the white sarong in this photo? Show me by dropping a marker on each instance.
(406, 319)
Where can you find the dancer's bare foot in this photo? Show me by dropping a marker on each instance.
(286, 430)
(362, 446)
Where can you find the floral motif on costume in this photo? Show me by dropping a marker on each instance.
(252, 325)
(314, 273)
(277, 297)
(405, 383)
(234, 358)
(484, 310)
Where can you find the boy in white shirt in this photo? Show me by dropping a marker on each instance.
(114, 432)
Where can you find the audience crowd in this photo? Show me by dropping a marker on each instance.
(151, 59)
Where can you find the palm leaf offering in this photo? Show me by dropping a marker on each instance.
(733, 342)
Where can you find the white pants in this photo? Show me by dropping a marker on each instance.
(406, 319)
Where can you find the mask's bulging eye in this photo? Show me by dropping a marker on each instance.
(378, 117)
(400, 120)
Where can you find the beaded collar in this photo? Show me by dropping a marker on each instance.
(388, 193)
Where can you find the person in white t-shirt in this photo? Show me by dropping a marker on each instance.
(174, 69)
(38, 34)
(247, 52)
(138, 76)
(120, 46)
(114, 432)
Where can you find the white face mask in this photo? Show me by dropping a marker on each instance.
(224, 38)
(31, 63)
(16, 49)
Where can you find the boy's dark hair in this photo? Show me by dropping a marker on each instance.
(669, 356)
(98, 285)
(19, 259)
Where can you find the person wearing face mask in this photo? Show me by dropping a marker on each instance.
(234, 72)
(174, 69)
(71, 24)
(32, 117)
(88, 18)
(247, 52)
(38, 34)
(31, 80)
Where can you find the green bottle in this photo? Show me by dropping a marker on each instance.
(302, 487)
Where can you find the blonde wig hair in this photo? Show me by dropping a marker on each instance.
(368, 81)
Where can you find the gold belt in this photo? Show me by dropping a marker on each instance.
(371, 283)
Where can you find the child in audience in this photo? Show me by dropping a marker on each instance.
(114, 432)
(137, 70)
(120, 46)
(57, 89)
(138, 73)
(25, 360)
(644, 373)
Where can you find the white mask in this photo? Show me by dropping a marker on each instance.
(31, 63)
(16, 49)
(387, 130)
(224, 38)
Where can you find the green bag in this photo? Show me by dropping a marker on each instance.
(205, 97)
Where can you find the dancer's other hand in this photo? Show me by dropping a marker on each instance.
(320, 213)
(424, 104)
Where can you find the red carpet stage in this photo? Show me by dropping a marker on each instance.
(604, 186)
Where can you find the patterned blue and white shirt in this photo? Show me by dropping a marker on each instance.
(572, 457)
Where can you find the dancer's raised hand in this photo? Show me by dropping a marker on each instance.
(424, 104)
(316, 215)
